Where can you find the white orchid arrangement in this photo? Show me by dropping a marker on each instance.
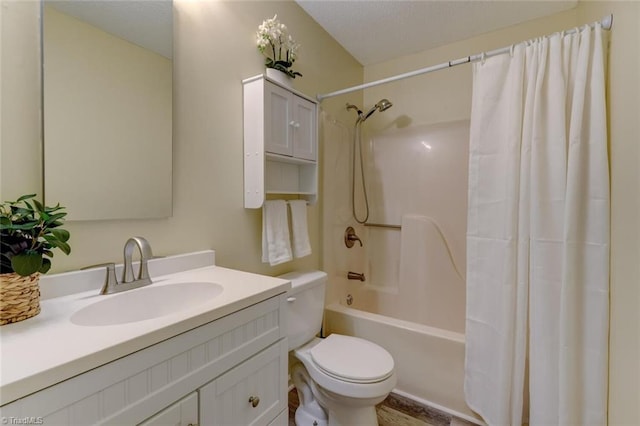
(280, 49)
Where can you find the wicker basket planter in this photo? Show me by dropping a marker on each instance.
(19, 297)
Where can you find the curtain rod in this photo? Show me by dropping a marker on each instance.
(606, 23)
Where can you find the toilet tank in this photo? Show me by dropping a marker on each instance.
(305, 303)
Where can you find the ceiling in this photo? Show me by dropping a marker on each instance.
(377, 31)
(147, 23)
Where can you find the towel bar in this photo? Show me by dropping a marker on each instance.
(383, 225)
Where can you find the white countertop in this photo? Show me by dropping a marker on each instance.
(49, 348)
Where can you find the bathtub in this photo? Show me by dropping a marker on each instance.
(429, 361)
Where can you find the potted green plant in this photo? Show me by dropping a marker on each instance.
(279, 47)
(29, 231)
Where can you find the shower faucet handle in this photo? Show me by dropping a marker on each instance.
(350, 237)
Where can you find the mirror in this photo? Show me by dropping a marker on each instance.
(107, 101)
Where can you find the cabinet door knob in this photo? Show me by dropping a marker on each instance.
(254, 400)
(294, 124)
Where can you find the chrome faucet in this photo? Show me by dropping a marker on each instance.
(129, 282)
(145, 254)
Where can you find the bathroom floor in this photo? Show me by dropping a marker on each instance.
(397, 410)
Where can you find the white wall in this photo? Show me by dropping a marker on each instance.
(623, 94)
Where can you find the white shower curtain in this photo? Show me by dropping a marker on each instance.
(538, 234)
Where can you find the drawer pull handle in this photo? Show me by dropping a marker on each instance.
(291, 299)
(254, 400)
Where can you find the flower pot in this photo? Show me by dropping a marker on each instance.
(280, 77)
(19, 297)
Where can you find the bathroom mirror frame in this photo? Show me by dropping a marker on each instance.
(107, 107)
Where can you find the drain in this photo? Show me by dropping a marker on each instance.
(349, 299)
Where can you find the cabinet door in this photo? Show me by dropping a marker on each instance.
(277, 120)
(304, 128)
(181, 413)
(282, 419)
(252, 394)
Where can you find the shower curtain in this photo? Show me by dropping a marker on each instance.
(538, 234)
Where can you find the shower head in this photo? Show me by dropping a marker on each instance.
(382, 105)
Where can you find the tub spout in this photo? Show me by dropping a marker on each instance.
(355, 276)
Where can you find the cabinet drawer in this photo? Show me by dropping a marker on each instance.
(253, 393)
(181, 413)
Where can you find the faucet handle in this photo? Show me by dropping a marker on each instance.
(350, 237)
(110, 280)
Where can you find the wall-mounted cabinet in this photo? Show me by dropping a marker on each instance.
(280, 142)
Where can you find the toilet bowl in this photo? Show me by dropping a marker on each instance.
(347, 376)
(339, 379)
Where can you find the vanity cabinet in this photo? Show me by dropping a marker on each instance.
(280, 142)
(205, 376)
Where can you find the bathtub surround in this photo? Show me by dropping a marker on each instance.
(538, 233)
(428, 269)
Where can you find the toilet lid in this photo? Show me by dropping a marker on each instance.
(352, 359)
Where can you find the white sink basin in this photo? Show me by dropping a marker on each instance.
(146, 303)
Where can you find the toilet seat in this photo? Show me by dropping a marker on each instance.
(352, 359)
(340, 386)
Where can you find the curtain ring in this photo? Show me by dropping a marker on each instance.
(511, 49)
(483, 57)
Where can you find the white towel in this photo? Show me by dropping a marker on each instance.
(301, 245)
(276, 246)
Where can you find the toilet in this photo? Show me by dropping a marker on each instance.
(339, 379)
